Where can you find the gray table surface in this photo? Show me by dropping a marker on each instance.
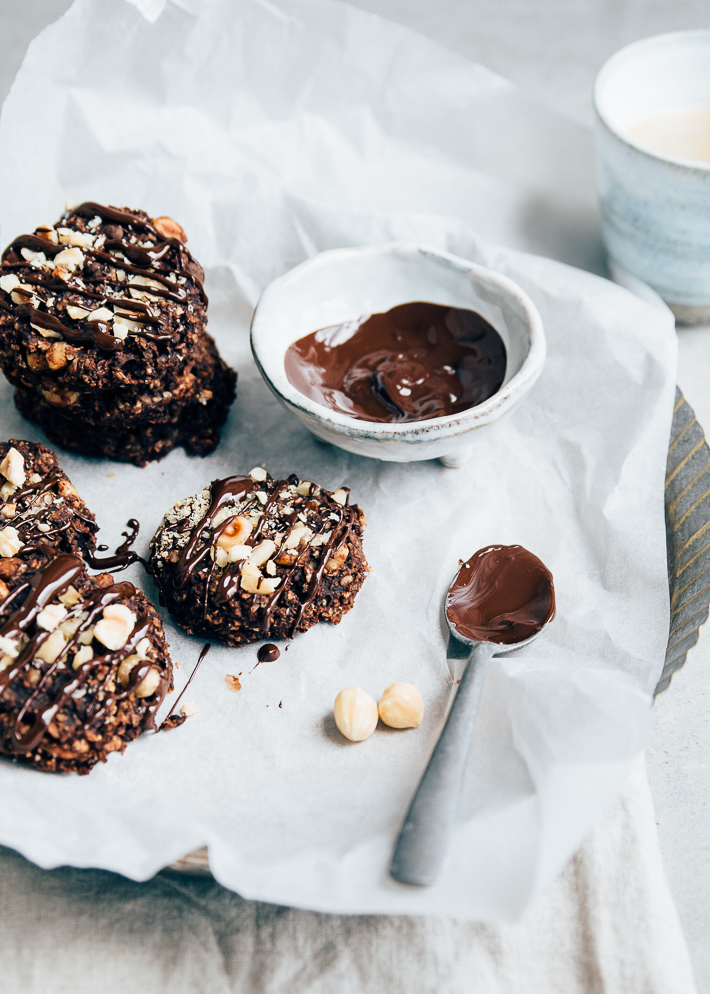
(553, 48)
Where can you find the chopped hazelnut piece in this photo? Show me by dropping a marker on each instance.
(261, 552)
(10, 542)
(84, 654)
(70, 597)
(149, 684)
(77, 313)
(9, 647)
(70, 258)
(13, 467)
(115, 627)
(50, 616)
(52, 647)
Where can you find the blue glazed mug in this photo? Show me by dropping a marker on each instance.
(655, 204)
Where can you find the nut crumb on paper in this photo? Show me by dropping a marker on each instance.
(232, 682)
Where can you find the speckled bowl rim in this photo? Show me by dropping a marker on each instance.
(653, 41)
(508, 395)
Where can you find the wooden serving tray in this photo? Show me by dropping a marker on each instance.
(687, 501)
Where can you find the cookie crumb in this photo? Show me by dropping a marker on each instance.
(173, 721)
(232, 682)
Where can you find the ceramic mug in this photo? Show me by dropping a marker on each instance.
(655, 206)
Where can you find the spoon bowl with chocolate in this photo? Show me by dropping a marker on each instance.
(500, 600)
(397, 352)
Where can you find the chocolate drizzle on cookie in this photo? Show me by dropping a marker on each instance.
(172, 719)
(24, 633)
(124, 556)
(42, 506)
(97, 266)
(222, 492)
(31, 520)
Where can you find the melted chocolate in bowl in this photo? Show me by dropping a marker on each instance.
(414, 362)
(502, 594)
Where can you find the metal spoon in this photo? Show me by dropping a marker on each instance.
(424, 838)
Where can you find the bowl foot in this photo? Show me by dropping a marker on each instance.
(455, 459)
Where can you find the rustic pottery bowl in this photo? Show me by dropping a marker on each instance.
(346, 284)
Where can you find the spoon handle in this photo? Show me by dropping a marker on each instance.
(424, 838)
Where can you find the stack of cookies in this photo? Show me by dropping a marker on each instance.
(84, 664)
(103, 333)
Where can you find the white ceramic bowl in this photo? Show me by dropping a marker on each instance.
(655, 207)
(346, 284)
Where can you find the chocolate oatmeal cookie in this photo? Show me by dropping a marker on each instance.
(250, 558)
(39, 505)
(84, 664)
(194, 425)
(103, 333)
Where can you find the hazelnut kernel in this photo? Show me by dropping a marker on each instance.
(235, 532)
(401, 706)
(355, 714)
(168, 228)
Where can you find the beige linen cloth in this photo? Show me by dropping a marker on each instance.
(608, 924)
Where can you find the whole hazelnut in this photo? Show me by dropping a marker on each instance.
(401, 706)
(355, 714)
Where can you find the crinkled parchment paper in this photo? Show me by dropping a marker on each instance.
(273, 130)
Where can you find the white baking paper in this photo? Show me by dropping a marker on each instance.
(271, 131)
